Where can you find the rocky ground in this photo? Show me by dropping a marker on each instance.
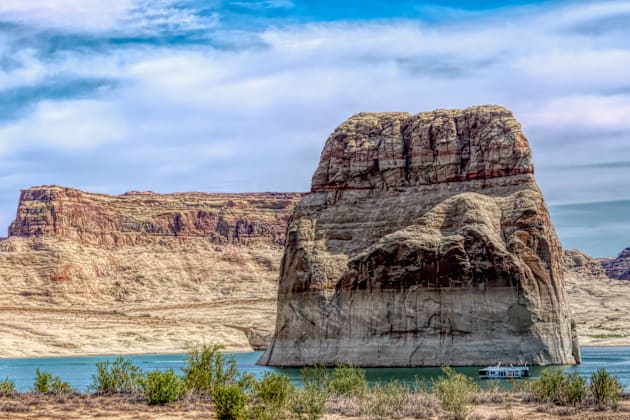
(29, 406)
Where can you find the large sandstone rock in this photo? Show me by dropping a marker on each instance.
(89, 273)
(425, 241)
(618, 268)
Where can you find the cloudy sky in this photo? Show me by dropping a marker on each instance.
(191, 95)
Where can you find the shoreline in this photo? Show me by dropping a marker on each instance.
(162, 353)
(227, 350)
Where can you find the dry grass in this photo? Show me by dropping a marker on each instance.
(417, 405)
(82, 406)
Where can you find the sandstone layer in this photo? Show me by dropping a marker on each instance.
(88, 273)
(425, 241)
(599, 304)
(618, 268)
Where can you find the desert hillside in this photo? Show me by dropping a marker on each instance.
(600, 305)
(87, 273)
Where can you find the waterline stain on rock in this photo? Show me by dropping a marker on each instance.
(425, 242)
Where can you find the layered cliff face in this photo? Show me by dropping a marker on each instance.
(425, 242)
(618, 268)
(87, 273)
(137, 218)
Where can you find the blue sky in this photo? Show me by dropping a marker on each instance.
(170, 95)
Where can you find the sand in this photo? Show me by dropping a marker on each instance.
(28, 406)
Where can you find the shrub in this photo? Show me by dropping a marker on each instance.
(45, 383)
(573, 389)
(274, 390)
(605, 389)
(385, 401)
(455, 392)
(161, 387)
(310, 402)
(58, 386)
(206, 368)
(272, 396)
(229, 402)
(348, 380)
(554, 387)
(317, 377)
(7, 387)
(121, 376)
(548, 388)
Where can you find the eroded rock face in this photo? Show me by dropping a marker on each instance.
(88, 273)
(143, 217)
(618, 268)
(598, 303)
(425, 242)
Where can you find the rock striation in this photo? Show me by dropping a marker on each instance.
(86, 273)
(618, 268)
(425, 241)
(598, 303)
(138, 218)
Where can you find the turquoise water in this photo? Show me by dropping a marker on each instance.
(79, 370)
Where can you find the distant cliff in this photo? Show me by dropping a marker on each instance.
(618, 268)
(145, 217)
(87, 273)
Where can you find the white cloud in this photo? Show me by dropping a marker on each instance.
(65, 125)
(191, 117)
(578, 112)
(97, 16)
(92, 15)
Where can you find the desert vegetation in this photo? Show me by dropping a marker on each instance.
(210, 384)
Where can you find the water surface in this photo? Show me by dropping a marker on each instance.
(78, 371)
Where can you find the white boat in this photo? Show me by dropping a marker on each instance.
(504, 372)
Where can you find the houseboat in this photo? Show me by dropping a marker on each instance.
(504, 372)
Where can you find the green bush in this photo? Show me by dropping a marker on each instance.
(605, 389)
(455, 392)
(7, 387)
(548, 388)
(121, 376)
(310, 402)
(573, 389)
(206, 368)
(385, 401)
(45, 383)
(161, 387)
(274, 390)
(229, 402)
(317, 378)
(554, 387)
(348, 380)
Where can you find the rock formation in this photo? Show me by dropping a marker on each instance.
(598, 303)
(618, 268)
(425, 241)
(91, 273)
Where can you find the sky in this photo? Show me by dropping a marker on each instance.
(239, 96)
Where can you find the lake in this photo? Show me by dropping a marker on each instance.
(78, 371)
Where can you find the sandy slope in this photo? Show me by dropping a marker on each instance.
(144, 300)
(167, 298)
(601, 308)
